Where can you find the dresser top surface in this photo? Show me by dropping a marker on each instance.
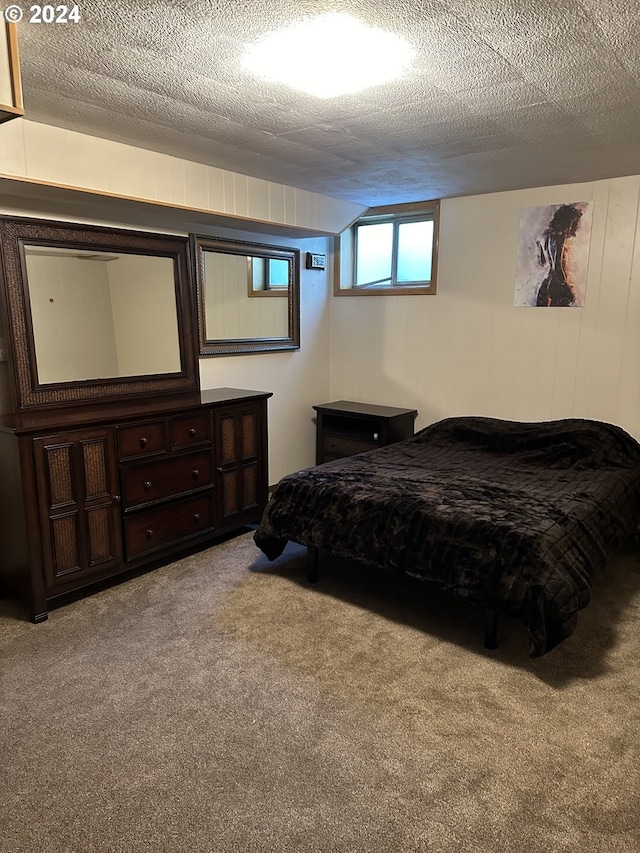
(71, 416)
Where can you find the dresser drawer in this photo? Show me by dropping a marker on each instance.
(170, 523)
(190, 430)
(163, 478)
(141, 439)
(337, 445)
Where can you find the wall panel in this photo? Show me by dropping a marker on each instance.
(59, 157)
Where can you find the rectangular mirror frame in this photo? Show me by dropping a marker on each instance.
(28, 392)
(236, 346)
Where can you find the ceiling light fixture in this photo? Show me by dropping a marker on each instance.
(329, 55)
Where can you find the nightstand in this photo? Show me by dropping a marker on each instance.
(345, 428)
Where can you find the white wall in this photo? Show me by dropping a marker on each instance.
(468, 351)
(69, 299)
(230, 312)
(143, 303)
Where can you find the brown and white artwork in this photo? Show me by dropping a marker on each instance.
(553, 255)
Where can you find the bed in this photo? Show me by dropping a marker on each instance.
(516, 517)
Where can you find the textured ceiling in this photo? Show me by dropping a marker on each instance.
(503, 94)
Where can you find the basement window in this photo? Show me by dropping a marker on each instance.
(390, 250)
(268, 277)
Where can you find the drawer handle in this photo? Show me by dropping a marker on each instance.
(196, 473)
(192, 431)
(196, 517)
(147, 484)
(143, 441)
(149, 533)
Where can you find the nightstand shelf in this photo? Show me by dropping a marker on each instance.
(345, 428)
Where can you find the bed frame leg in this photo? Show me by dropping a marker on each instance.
(312, 564)
(490, 628)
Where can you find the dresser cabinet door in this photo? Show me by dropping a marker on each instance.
(79, 511)
(240, 462)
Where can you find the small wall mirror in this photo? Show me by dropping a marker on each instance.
(248, 296)
(96, 313)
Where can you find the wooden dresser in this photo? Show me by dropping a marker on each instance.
(93, 491)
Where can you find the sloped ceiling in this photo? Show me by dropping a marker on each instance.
(503, 94)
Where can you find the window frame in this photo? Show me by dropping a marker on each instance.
(346, 245)
(265, 275)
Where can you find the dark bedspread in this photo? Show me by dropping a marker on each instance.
(513, 516)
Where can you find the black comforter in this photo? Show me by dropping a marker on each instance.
(513, 516)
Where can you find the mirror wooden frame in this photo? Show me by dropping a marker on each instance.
(28, 392)
(236, 346)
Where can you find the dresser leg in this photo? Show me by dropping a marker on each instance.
(39, 617)
(312, 564)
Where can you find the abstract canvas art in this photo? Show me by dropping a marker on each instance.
(553, 255)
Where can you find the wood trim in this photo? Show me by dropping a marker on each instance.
(436, 246)
(252, 294)
(234, 220)
(7, 113)
(403, 209)
(387, 291)
(259, 293)
(336, 265)
(14, 67)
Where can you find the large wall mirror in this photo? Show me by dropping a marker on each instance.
(248, 296)
(96, 313)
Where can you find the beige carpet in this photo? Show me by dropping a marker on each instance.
(223, 704)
